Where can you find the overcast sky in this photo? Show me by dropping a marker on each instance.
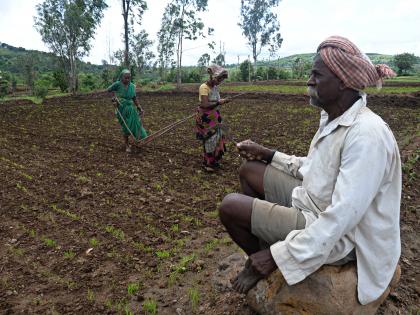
(381, 26)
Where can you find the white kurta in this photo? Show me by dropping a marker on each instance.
(350, 197)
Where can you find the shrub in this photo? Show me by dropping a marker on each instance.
(41, 88)
(4, 86)
(283, 74)
(60, 80)
(41, 91)
(245, 68)
(88, 82)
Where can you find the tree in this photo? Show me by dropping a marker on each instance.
(272, 73)
(204, 60)
(245, 69)
(404, 62)
(27, 63)
(143, 56)
(4, 85)
(67, 26)
(300, 67)
(60, 80)
(128, 7)
(260, 26)
(219, 60)
(180, 23)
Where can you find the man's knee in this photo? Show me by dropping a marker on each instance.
(248, 169)
(228, 207)
(243, 170)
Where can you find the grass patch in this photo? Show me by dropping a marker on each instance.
(133, 288)
(69, 254)
(194, 296)
(179, 268)
(408, 166)
(93, 242)
(292, 89)
(33, 99)
(149, 306)
(117, 233)
(49, 242)
(163, 254)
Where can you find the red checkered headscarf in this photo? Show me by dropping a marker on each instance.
(350, 65)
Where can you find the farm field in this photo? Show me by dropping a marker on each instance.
(86, 228)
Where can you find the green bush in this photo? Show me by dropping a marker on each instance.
(283, 74)
(41, 91)
(106, 77)
(88, 82)
(41, 88)
(244, 69)
(60, 80)
(4, 87)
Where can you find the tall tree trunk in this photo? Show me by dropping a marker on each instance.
(72, 79)
(254, 55)
(126, 6)
(179, 51)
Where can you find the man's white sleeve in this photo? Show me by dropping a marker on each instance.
(363, 166)
(289, 164)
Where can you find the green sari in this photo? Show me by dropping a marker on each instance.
(128, 110)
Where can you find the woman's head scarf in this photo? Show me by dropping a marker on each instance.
(217, 72)
(350, 65)
(124, 71)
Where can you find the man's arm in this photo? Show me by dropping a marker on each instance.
(289, 164)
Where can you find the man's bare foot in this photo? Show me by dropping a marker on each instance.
(246, 279)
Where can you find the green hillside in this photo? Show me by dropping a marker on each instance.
(287, 62)
(11, 60)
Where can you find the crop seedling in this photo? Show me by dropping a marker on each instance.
(133, 288)
(90, 295)
(69, 254)
(210, 245)
(49, 242)
(175, 228)
(181, 267)
(163, 254)
(17, 251)
(116, 232)
(408, 166)
(194, 296)
(93, 242)
(32, 232)
(150, 306)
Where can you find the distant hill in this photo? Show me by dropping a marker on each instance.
(11, 59)
(287, 62)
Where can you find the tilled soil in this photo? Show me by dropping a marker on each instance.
(86, 228)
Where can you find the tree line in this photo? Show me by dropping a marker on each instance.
(68, 27)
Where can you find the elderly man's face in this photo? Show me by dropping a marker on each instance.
(323, 85)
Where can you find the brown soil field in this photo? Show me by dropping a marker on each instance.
(86, 228)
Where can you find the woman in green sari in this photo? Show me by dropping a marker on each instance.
(124, 94)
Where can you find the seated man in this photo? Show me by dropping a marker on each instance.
(340, 203)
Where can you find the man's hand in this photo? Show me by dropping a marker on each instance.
(263, 262)
(254, 151)
(141, 111)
